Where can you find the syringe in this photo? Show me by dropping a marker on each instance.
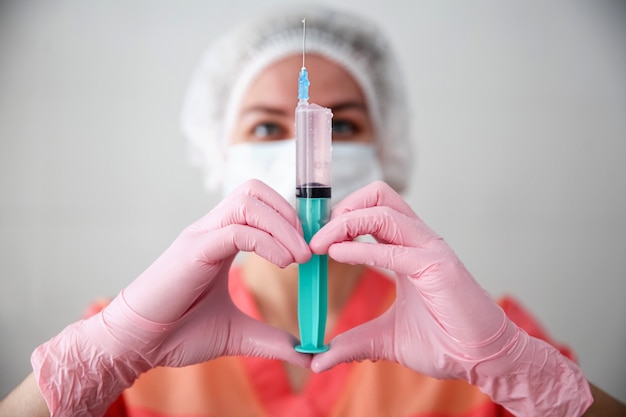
(313, 157)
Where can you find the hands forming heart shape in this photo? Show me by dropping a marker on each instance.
(442, 322)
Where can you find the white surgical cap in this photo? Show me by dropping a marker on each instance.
(232, 62)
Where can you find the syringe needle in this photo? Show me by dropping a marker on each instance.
(303, 79)
(303, 39)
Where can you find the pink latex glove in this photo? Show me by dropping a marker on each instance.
(442, 323)
(178, 312)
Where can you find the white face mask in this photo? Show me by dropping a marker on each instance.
(354, 165)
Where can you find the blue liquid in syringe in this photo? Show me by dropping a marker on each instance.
(313, 211)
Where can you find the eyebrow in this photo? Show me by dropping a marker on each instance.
(264, 109)
(277, 111)
(349, 105)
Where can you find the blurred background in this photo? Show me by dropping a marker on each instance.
(520, 131)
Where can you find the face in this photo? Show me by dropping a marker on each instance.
(267, 109)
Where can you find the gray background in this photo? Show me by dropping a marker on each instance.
(520, 115)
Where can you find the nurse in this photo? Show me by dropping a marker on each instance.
(200, 334)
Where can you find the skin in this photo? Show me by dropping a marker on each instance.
(266, 113)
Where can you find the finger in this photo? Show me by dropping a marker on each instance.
(384, 223)
(199, 256)
(228, 241)
(247, 210)
(441, 281)
(435, 271)
(369, 341)
(264, 193)
(378, 193)
(400, 259)
(254, 338)
(185, 270)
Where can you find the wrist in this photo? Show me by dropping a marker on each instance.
(532, 378)
(83, 369)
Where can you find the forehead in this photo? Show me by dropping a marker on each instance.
(277, 84)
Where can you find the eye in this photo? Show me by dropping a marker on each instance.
(344, 129)
(268, 131)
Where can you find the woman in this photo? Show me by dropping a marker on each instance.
(195, 335)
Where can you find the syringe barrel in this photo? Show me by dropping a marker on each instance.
(313, 157)
(313, 150)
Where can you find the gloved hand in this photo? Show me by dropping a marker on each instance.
(442, 322)
(178, 312)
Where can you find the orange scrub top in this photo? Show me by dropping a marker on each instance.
(243, 386)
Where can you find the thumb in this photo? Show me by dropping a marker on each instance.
(254, 338)
(369, 341)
